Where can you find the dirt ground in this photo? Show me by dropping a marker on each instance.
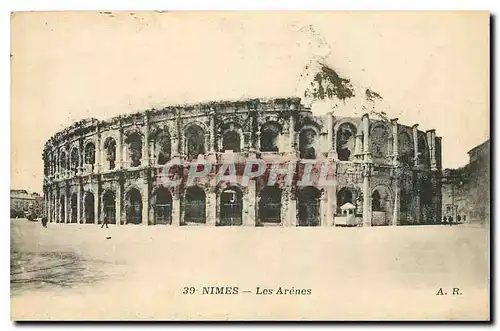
(83, 272)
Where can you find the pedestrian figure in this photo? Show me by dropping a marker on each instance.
(105, 221)
(444, 220)
(459, 218)
(450, 220)
(44, 221)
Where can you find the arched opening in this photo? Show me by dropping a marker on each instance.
(74, 208)
(308, 206)
(381, 205)
(379, 137)
(423, 150)
(405, 149)
(346, 141)
(195, 142)
(231, 206)
(110, 148)
(90, 154)
(269, 134)
(427, 208)
(405, 205)
(307, 140)
(133, 207)
(163, 206)
(231, 141)
(270, 205)
(134, 141)
(163, 147)
(344, 195)
(109, 207)
(376, 201)
(88, 207)
(62, 161)
(74, 160)
(195, 211)
(62, 208)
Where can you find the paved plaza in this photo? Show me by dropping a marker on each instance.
(139, 272)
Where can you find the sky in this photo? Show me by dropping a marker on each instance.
(431, 68)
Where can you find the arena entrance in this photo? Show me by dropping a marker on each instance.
(74, 208)
(88, 207)
(62, 208)
(381, 206)
(270, 205)
(134, 207)
(231, 207)
(308, 206)
(344, 195)
(195, 210)
(163, 206)
(109, 207)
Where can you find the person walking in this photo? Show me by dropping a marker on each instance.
(450, 220)
(444, 220)
(459, 218)
(44, 221)
(105, 221)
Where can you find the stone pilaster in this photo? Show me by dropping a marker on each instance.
(81, 156)
(324, 208)
(118, 203)
(145, 144)
(249, 201)
(288, 207)
(211, 207)
(67, 209)
(54, 207)
(395, 142)
(397, 199)
(431, 138)
(415, 145)
(51, 206)
(358, 146)
(330, 143)
(145, 201)
(211, 140)
(333, 201)
(176, 207)
(416, 196)
(99, 159)
(96, 203)
(207, 141)
(366, 138)
(292, 208)
(119, 149)
(291, 135)
(79, 218)
(257, 140)
(57, 208)
(180, 138)
(367, 201)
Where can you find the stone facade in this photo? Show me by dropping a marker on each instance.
(115, 169)
(466, 191)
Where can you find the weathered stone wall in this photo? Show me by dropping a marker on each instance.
(126, 155)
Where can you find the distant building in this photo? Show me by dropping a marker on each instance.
(466, 191)
(22, 201)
